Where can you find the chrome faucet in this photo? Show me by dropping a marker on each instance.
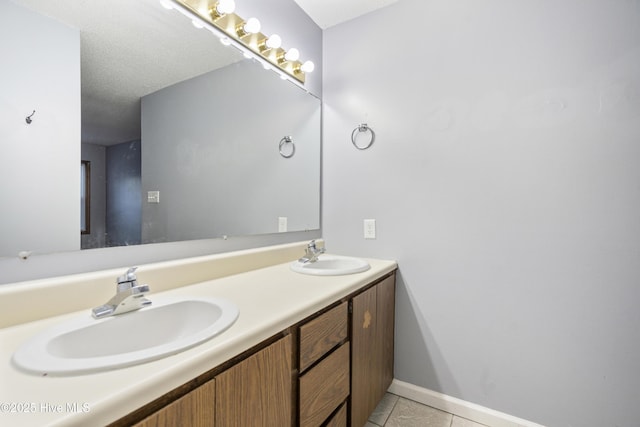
(129, 296)
(311, 253)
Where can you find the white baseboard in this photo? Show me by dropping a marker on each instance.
(458, 407)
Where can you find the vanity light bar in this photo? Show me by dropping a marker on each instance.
(245, 36)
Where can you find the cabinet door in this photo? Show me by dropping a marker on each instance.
(258, 390)
(386, 303)
(372, 348)
(195, 409)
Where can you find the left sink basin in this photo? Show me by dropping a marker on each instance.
(85, 345)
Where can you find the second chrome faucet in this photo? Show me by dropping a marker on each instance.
(311, 253)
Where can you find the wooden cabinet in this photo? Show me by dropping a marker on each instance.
(195, 409)
(372, 336)
(258, 390)
(368, 366)
(329, 370)
(324, 365)
(255, 392)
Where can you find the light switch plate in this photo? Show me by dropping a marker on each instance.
(282, 224)
(153, 197)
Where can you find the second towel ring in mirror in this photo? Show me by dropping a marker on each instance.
(287, 153)
(362, 128)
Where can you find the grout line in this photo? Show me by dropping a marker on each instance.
(392, 408)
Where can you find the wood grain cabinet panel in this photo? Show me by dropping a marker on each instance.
(372, 337)
(386, 303)
(363, 336)
(324, 387)
(257, 391)
(339, 419)
(320, 335)
(195, 409)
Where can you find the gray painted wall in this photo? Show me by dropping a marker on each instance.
(40, 162)
(210, 146)
(505, 181)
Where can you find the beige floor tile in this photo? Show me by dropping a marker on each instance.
(407, 413)
(463, 422)
(383, 410)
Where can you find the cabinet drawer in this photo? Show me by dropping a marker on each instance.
(339, 419)
(322, 334)
(324, 388)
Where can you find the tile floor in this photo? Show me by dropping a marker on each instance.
(395, 411)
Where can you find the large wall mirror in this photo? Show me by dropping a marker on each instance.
(181, 135)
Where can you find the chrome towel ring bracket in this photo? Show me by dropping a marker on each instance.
(363, 128)
(29, 119)
(287, 147)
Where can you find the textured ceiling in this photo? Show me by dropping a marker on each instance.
(130, 49)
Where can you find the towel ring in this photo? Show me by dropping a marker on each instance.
(362, 128)
(283, 153)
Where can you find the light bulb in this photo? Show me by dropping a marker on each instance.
(247, 55)
(225, 41)
(166, 4)
(197, 23)
(225, 6)
(292, 54)
(252, 26)
(274, 41)
(308, 67)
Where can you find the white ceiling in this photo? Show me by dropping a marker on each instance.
(327, 13)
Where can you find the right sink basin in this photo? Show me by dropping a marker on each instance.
(331, 265)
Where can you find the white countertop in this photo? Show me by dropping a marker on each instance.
(270, 300)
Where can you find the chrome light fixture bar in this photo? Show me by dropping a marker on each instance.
(218, 17)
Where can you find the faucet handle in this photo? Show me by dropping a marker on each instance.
(128, 279)
(312, 246)
(129, 276)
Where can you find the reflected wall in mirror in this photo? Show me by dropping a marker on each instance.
(205, 135)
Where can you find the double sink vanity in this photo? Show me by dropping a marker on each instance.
(243, 338)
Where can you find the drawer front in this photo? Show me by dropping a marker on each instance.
(324, 388)
(339, 419)
(320, 335)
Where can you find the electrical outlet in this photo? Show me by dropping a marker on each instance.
(282, 224)
(369, 228)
